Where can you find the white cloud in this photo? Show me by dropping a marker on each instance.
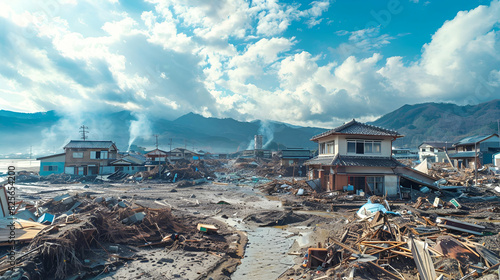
(257, 57)
(456, 62)
(231, 59)
(165, 34)
(363, 41)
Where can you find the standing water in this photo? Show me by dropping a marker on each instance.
(265, 254)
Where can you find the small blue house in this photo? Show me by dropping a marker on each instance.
(53, 164)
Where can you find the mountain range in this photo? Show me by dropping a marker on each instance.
(441, 122)
(45, 132)
(48, 132)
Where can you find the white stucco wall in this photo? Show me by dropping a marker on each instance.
(391, 185)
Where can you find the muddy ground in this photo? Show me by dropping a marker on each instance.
(240, 212)
(261, 234)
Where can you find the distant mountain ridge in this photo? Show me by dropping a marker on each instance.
(419, 122)
(21, 130)
(440, 122)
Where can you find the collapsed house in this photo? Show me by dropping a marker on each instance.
(357, 157)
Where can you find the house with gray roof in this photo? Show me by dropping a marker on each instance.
(435, 151)
(129, 163)
(477, 148)
(52, 164)
(360, 155)
(89, 157)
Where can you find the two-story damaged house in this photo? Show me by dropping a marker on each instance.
(89, 157)
(359, 155)
(478, 148)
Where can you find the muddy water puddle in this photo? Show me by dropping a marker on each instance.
(266, 253)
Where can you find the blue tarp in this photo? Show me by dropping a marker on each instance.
(369, 208)
(46, 218)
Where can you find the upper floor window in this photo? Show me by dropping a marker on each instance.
(327, 148)
(77, 154)
(99, 154)
(364, 147)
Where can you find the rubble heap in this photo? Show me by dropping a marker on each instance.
(82, 233)
(380, 244)
(462, 177)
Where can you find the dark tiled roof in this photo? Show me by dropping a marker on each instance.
(366, 161)
(473, 139)
(296, 153)
(129, 159)
(155, 152)
(356, 128)
(320, 160)
(360, 161)
(77, 144)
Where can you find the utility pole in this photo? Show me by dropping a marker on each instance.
(475, 163)
(158, 153)
(84, 132)
(170, 145)
(156, 136)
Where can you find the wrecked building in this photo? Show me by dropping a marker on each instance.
(89, 157)
(156, 157)
(357, 157)
(53, 164)
(435, 151)
(181, 153)
(478, 148)
(130, 163)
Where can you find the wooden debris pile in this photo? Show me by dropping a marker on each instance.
(60, 249)
(286, 186)
(387, 246)
(461, 177)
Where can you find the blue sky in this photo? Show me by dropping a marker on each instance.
(316, 63)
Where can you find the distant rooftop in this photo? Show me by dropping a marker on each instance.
(468, 154)
(474, 139)
(357, 128)
(51, 156)
(438, 144)
(79, 144)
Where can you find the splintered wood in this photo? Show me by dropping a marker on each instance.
(382, 248)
